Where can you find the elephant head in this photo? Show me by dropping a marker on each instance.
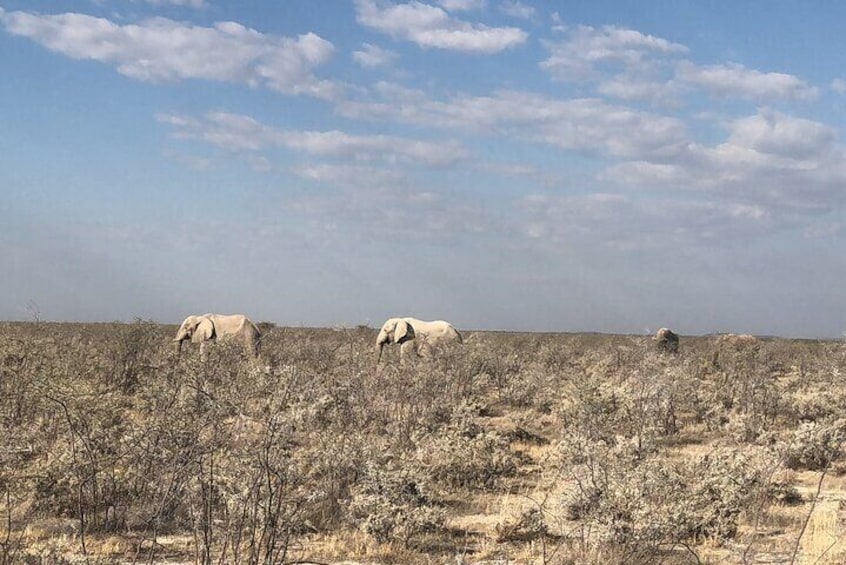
(395, 330)
(667, 340)
(196, 328)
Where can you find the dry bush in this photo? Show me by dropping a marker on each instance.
(463, 454)
(105, 428)
(391, 504)
(645, 398)
(814, 445)
(633, 504)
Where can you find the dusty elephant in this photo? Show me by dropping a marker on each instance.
(210, 327)
(666, 339)
(413, 335)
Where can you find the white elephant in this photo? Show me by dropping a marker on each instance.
(211, 327)
(667, 340)
(413, 335)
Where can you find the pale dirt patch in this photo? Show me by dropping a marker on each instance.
(823, 540)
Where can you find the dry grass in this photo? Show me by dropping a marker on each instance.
(517, 448)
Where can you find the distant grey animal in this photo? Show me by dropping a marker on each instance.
(413, 335)
(210, 327)
(667, 340)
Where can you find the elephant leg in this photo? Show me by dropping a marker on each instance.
(407, 350)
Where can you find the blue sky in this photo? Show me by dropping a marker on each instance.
(503, 164)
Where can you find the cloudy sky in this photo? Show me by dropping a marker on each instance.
(504, 164)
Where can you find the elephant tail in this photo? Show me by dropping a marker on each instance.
(459, 336)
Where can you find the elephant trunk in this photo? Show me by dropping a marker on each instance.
(177, 345)
(383, 338)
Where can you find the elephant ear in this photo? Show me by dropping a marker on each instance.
(204, 331)
(403, 331)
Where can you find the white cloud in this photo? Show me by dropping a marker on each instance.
(369, 182)
(517, 9)
(588, 125)
(770, 169)
(161, 49)
(823, 231)
(838, 85)
(385, 204)
(624, 63)
(620, 222)
(351, 175)
(630, 65)
(637, 87)
(522, 172)
(374, 56)
(783, 136)
(736, 80)
(431, 26)
(791, 167)
(367, 148)
(462, 5)
(228, 131)
(241, 133)
(385, 100)
(189, 3)
(579, 56)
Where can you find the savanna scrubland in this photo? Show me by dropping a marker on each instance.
(513, 448)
